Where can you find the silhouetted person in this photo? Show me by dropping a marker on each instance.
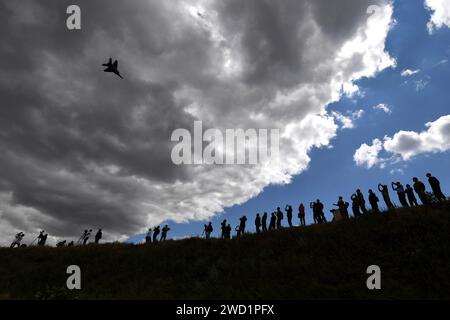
(355, 205)
(242, 222)
(227, 234)
(361, 201)
(373, 200)
(264, 222)
(86, 236)
(288, 210)
(148, 236)
(279, 217)
(61, 244)
(312, 205)
(165, 229)
(98, 236)
(318, 211)
(17, 239)
(42, 239)
(273, 220)
(238, 231)
(112, 67)
(301, 214)
(343, 207)
(82, 236)
(410, 195)
(420, 189)
(156, 231)
(436, 187)
(223, 226)
(258, 223)
(385, 193)
(38, 238)
(321, 211)
(397, 186)
(208, 230)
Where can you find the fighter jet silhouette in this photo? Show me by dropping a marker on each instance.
(111, 67)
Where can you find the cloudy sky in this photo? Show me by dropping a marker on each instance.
(358, 89)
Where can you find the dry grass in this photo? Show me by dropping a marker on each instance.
(329, 261)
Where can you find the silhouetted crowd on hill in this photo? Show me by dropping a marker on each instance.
(149, 238)
(42, 239)
(406, 196)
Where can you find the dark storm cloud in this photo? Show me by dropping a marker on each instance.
(60, 111)
(81, 147)
(275, 34)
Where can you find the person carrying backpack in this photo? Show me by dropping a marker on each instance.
(208, 230)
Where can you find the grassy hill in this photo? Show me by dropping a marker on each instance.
(411, 246)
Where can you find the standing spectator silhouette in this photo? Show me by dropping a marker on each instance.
(98, 236)
(85, 232)
(86, 236)
(223, 226)
(208, 230)
(264, 222)
(227, 234)
(361, 201)
(411, 197)
(273, 219)
(42, 238)
(279, 217)
(148, 236)
(156, 231)
(397, 186)
(238, 231)
(164, 230)
(355, 205)
(258, 223)
(385, 193)
(318, 211)
(316, 218)
(373, 200)
(419, 188)
(343, 207)
(288, 210)
(436, 187)
(242, 222)
(301, 214)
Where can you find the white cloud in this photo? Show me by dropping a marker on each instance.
(440, 14)
(421, 84)
(348, 120)
(404, 145)
(443, 61)
(368, 155)
(408, 72)
(383, 107)
(408, 144)
(104, 159)
(397, 171)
